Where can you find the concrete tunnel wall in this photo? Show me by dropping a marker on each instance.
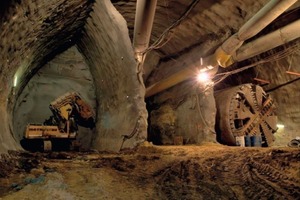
(33, 32)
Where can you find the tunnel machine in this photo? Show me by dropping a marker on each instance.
(69, 110)
(54, 85)
(245, 110)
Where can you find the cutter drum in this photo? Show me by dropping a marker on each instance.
(245, 110)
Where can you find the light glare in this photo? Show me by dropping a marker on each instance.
(203, 77)
(15, 81)
(280, 126)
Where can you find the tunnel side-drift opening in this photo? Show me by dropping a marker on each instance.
(32, 33)
(64, 78)
(107, 50)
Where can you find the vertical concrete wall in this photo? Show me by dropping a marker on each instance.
(120, 96)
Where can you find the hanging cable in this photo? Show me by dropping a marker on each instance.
(277, 56)
(160, 41)
(282, 85)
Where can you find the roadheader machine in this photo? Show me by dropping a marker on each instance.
(69, 111)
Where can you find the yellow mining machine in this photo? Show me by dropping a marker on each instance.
(69, 110)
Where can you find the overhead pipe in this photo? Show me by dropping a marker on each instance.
(170, 81)
(178, 77)
(259, 21)
(144, 17)
(267, 42)
(264, 17)
(223, 56)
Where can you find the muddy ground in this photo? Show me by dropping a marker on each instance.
(154, 172)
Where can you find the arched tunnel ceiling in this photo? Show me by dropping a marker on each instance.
(203, 26)
(204, 20)
(34, 32)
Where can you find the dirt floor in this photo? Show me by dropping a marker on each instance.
(154, 172)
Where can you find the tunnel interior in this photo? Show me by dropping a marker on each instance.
(67, 72)
(170, 99)
(54, 53)
(50, 48)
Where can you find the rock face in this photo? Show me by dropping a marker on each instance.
(196, 118)
(188, 112)
(65, 73)
(163, 125)
(120, 95)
